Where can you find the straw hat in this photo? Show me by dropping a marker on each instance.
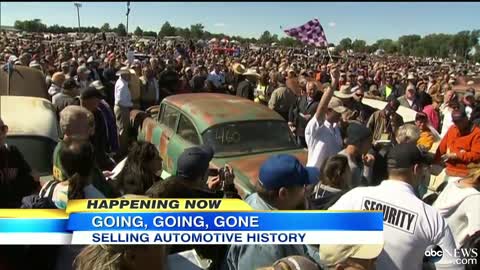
(123, 71)
(344, 93)
(251, 72)
(331, 255)
(238, 68)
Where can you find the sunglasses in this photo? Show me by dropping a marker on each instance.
(3, 128)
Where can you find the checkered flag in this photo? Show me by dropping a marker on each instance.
(310, 33)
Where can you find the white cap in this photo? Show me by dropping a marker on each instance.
(334, 254)
(12, 58)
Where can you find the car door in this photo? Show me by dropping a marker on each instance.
(164, 131)
(185, 136)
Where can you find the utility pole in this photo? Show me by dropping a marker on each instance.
(78, 5)
(128, 12)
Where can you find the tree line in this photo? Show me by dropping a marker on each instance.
(462, 45)
(459, 45)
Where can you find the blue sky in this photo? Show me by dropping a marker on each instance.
(368, 21)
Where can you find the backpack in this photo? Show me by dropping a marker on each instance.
(40, 201)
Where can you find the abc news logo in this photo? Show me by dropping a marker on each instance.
(464, 256)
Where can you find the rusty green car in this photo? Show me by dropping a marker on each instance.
(242, 133)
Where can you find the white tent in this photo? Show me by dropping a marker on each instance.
(213, 40)
(224, 40)
(233, 41)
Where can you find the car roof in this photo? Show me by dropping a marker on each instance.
(29, 116)
(24, 81)
(407, 114)
(206, 109)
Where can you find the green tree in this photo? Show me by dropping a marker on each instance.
(388, 45)
(105, 27)
(150, 34)
(265, 38)
(138, 32)
(359, 45)
(166, 30)
(34, 25)
(196, 31)
(289, 42)
(461, 43)
(121, 30)
(344, 44)
(183, 32)
(408, 43)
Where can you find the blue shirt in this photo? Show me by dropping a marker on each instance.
(240, 257)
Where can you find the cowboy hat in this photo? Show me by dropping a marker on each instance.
(251, 72)
(345, 92)
(238, 68)
(122, 71)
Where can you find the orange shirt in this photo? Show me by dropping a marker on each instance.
(466, 147)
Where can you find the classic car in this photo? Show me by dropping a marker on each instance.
(33, 129)
(24, 81)
(242, 133)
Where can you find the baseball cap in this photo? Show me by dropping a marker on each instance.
(296, 263)
(333, 254)
(286, 171)
(98, 85)
(406, 155)
(357, 133)
(83, 69)
(91, 92)
(337, 105)
(194, 161)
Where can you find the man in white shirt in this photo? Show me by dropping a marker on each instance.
(123, 104)
(410, 225)
(450, 104)
(322, 133)
(217, 77)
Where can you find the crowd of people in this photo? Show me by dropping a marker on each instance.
(359, 158)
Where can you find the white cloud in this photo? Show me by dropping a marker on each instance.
(332, 24)
(219, 25)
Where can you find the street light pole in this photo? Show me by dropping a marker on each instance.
(78, 6)
(128, 12)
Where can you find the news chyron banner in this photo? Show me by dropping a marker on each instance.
(185, 221)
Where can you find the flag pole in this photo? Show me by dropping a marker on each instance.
(328, 51)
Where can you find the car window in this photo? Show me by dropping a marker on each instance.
(169, 117)
(160, 112)
(249, 137)
(33, 147)
(187, 131)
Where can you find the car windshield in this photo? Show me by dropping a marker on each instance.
(37, 151)
(241, 138)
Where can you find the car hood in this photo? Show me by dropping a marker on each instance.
(246, 167)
